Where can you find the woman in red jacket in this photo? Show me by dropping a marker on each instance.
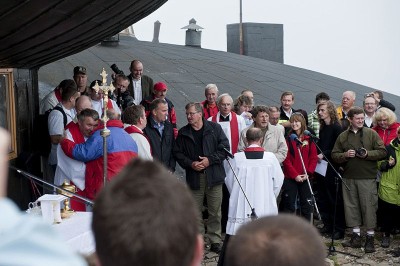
(295, 183)
(385, 124)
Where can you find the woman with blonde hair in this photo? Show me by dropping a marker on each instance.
(389, 187)
(385, 124)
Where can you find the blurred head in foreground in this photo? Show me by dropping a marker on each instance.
(146, 216)
(276, 240)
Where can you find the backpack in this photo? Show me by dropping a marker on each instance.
(43, 143)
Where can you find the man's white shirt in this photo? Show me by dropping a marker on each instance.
(98, 106)
(68, 168)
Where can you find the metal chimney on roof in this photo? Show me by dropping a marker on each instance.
(193, 34)
(156, 34)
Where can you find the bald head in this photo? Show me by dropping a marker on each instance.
(112, 114)
(83, 102)
(136, 69)
(254, 135)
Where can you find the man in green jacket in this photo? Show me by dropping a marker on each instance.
(358, 149)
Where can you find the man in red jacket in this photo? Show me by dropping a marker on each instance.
(121, 148)
(210, 107)
(70, 169)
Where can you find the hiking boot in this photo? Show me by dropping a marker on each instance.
(369, 244)
(385, 243)
(355, 241)
(395, 253)
(216, 248)
(325, 230)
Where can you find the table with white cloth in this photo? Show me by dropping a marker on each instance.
(76, 231)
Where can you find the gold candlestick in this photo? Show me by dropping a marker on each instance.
(66, 212)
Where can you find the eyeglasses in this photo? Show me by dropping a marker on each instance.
(191, 114)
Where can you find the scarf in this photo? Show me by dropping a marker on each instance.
(234, 131)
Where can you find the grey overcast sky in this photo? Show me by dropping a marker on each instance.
(356, 40)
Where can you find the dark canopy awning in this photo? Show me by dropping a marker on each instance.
(37, 32)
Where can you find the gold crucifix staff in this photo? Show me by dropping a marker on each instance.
(105, 132)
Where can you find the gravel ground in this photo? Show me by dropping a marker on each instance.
(381, 257)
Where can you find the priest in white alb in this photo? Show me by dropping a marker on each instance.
(261, 177)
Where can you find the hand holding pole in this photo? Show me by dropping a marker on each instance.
(314, 202)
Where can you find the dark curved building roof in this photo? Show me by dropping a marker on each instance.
(35, 33)
(187, 70)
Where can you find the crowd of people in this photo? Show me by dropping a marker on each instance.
(242, 162)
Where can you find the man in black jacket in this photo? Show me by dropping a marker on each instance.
(160, 134)
(199, 149)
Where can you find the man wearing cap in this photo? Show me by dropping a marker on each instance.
(54, 97)
(160, 92)
(80, 78)
(140, 85)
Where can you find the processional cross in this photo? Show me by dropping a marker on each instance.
(105, 132)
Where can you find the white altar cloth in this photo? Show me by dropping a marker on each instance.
(76, 231)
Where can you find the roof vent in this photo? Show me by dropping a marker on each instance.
(193, 34)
